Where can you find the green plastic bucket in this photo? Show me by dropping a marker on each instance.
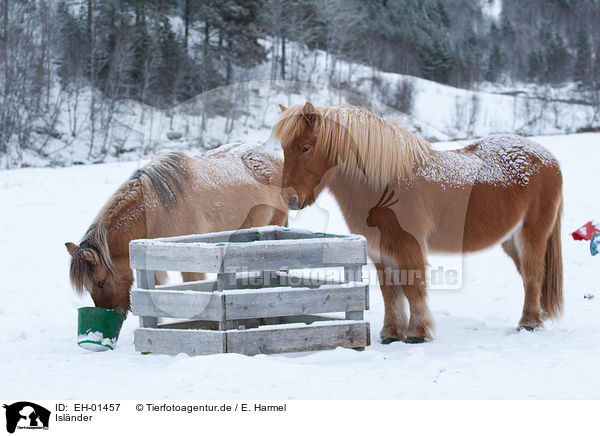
(98, 328)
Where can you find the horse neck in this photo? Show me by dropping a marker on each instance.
(127, 221)
(355, 197)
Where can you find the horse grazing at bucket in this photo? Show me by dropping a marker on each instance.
(235, 186)
(408, 199)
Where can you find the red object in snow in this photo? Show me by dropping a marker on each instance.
(586, 231)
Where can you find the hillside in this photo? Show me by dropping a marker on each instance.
(246, 111)
(80, 79)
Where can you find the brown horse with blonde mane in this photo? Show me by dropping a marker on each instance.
(408, 199)
(235, 186)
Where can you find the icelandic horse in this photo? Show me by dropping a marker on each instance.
(409, 199)
(232, 187)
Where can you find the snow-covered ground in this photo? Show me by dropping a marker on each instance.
(476, 353)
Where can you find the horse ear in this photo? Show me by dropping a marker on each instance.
(308, 109)
(71, 248)
(90, 256)
(309, 113)
(282, 108)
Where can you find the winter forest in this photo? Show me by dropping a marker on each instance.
(68, 66)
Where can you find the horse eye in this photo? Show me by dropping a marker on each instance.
(305, 149)
(101, 284)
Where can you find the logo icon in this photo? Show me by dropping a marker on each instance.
(26, 415)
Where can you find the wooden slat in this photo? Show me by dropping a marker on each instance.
(177, 304)
(284, 301)
(197, 257)
(294, 280)
(175, 341)
(145, 279)
(250, 234)
(261, 255)
(286, 339)
(306, 253)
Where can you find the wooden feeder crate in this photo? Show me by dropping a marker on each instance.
(256, 304)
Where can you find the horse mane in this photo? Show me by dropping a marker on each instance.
(165, 176)
(357, 140)
(81, 271)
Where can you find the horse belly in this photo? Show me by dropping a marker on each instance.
(488, 215)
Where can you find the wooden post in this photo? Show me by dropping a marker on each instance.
(353, 273)
(145, 280)
(226, 281)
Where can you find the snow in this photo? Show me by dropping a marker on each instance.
(95, 341)
(248, 109)
(499, 160)
(492, 9)
(476, 354)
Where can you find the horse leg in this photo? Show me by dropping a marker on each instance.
(511, 249)
(394, 321)
(411, 264)
(532, 270)
(192, 277)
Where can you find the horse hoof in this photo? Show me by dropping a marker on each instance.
(388, 340)
(526, 328)
(414, 339)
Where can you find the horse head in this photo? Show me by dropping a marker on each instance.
(107, 280)
(303, 168)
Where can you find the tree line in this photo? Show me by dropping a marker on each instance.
(165, 51)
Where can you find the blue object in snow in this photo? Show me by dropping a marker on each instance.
(595, 244)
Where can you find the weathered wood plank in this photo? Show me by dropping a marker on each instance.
(175, 341)
(282, 301)
(145, 279)
(197, 257)
(266, 255)
(248, 235)
(284, 339)
(177, 304)
(307, 253)
(295, 280)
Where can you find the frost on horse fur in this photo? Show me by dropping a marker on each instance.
(235, 186)
(501, 189)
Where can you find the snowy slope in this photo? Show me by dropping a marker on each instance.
(476, 352)
(439, 112)
(247, 110)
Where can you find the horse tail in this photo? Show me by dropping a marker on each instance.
(552, 287)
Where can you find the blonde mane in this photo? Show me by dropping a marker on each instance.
(357, 140)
